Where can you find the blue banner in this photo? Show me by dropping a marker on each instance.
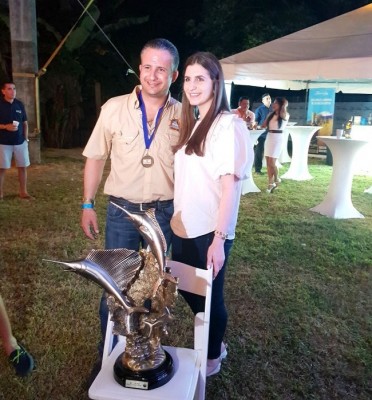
(321, 108)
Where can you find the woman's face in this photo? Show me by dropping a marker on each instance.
(198, 87)
(276, 106)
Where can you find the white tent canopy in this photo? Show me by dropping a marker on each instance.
(335, 53)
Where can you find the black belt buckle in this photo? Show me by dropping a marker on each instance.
(142, 207)
(146, 206)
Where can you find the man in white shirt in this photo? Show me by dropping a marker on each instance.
(244, 112)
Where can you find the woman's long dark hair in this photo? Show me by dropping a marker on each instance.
(196, 143)
(283, 103)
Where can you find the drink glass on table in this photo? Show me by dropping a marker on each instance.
(339, 133)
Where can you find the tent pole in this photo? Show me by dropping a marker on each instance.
(306, 99)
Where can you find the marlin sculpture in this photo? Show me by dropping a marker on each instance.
(110, 269)
(141, 294)
(149, 228)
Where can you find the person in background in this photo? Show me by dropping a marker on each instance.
(261, 113)
(137, 131)
(275, 124)
(244, 112)
(211, 158)
(13, 138)
(20, 359)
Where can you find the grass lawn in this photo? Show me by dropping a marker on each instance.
(298, 291)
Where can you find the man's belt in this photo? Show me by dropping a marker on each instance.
(157, 204)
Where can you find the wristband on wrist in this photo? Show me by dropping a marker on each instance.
(88, 203)
(221, 235)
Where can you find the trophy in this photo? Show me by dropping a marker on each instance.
(141, 294)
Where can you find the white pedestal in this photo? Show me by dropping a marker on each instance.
(248, 185)
(284, 156)
(301, 137)
(337, 202)
(363, 165)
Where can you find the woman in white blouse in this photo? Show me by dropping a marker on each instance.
(211, 158)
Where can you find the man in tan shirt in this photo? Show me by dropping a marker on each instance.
(137, 131)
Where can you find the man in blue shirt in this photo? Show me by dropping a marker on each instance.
(261, 113)
(13, 138)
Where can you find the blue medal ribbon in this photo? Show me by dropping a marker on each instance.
(148, 138)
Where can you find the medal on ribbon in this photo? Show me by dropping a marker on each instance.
(148, 161)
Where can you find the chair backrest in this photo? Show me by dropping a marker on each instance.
(197, 281)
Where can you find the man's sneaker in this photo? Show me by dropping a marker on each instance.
(22, 361)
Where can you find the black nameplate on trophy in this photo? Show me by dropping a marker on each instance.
(145, 379)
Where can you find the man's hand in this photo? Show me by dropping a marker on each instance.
(92, 177)
(11, 127)
(89, 223)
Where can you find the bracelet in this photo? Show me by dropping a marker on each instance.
(89, 201)
(87, 205)
(221, 235)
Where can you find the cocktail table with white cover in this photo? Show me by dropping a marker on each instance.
(284, 156)
(363, 165)
(301, 137)
(337, 202)
(248, 185)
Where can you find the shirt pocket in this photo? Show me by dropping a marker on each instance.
(126, 142)
(167, 141)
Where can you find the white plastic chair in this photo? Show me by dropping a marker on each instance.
(190, 365)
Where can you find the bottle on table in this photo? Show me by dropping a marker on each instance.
(348, 126)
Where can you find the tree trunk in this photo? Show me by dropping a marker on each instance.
(22, 16)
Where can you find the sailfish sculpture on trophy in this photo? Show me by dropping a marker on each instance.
(141, 293)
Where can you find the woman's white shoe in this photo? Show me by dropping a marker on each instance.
(271, 188)
(214, 366)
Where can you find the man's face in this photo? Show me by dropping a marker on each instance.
(267, 101)
(9, 92)
(244, 104)
(156, 74)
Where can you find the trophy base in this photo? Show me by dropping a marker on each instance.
(144, 380)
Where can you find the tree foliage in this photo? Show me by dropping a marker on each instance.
(106, 42)
(230, 26)
(67, 87)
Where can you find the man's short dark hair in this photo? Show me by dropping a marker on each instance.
(8, 82)
(243, 98)
(164, 44)
(264, 95)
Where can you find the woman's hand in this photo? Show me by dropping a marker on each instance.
(216, 255)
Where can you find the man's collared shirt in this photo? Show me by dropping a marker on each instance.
(119, 134)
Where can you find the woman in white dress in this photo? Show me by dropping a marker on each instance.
(275, 123)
